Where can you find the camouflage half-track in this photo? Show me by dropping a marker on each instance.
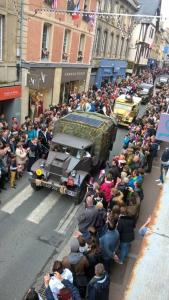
(80, 145)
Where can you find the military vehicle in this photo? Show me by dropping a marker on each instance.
(145, 91)
(80, 145)
(126, 108)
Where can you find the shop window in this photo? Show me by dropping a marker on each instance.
(66, 45)
(46, 41)
(81, 48)
(1, 36)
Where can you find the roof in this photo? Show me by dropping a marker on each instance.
(71, 141)
(122, 99)
(148, 7)
(83, 119)
(149, 279)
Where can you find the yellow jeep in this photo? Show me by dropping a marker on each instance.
(126, 109)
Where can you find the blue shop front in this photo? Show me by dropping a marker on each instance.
(110, 70)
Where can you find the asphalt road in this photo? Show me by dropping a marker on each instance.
(32, 229)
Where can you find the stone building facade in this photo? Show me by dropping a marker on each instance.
(10, 89)
(112, 37)
(57, 49)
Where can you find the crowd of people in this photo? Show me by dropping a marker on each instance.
(22, 144)
(107, 223)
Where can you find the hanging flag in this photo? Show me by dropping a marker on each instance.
(54, 4)
(76, 14)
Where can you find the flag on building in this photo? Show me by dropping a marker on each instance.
(76, 13)
(54, 4)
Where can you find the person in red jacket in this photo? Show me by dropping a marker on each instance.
(106, 187)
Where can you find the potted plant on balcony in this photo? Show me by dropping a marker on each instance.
(65, 56)
(45, 53)
(80, 56)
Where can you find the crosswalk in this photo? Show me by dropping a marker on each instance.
(44, 206)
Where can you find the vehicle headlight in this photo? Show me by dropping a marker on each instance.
(39, 172)
(73, 173)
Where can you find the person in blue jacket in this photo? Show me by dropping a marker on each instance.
(98, 287)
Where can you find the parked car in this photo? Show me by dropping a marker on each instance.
(126, 109)
(81, 143)
(145, 91)
(162, 80)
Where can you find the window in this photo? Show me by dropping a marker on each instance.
(117, 45)
(151, 33)
(104, 43)
(109, 6)
(46, 41)
(66, 44)
(111, 44)
(97, 42)
(86, 5)
(81, 47)
(1, 36)
(122, 47)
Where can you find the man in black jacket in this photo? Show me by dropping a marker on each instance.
(125, 228)
(98, 287)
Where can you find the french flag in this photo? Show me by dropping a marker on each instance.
(76, 14)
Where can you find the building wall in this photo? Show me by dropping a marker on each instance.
(59, 23)
(9, 44)
(110, 25)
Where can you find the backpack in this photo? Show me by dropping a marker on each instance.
(165, 155)
(64, 294)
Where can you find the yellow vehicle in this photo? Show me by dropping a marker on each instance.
(126, 109)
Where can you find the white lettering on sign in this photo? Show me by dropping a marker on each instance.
(43, 76)
(75, 73)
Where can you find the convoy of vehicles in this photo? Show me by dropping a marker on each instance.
(126, 109)
(145, 91)
(81, 143)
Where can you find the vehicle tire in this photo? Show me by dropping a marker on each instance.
(34, 186)
(81, 192)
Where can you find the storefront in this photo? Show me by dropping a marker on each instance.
(110, 70)
(40, 83)
(73, 80)
(10, 102)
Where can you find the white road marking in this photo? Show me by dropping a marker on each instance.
(68, 220)
(18, 200)
(43, 208)
(63, 220)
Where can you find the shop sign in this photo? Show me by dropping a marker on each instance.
(72, 74)
(163, 128)
(38, 79)
(10, 92)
